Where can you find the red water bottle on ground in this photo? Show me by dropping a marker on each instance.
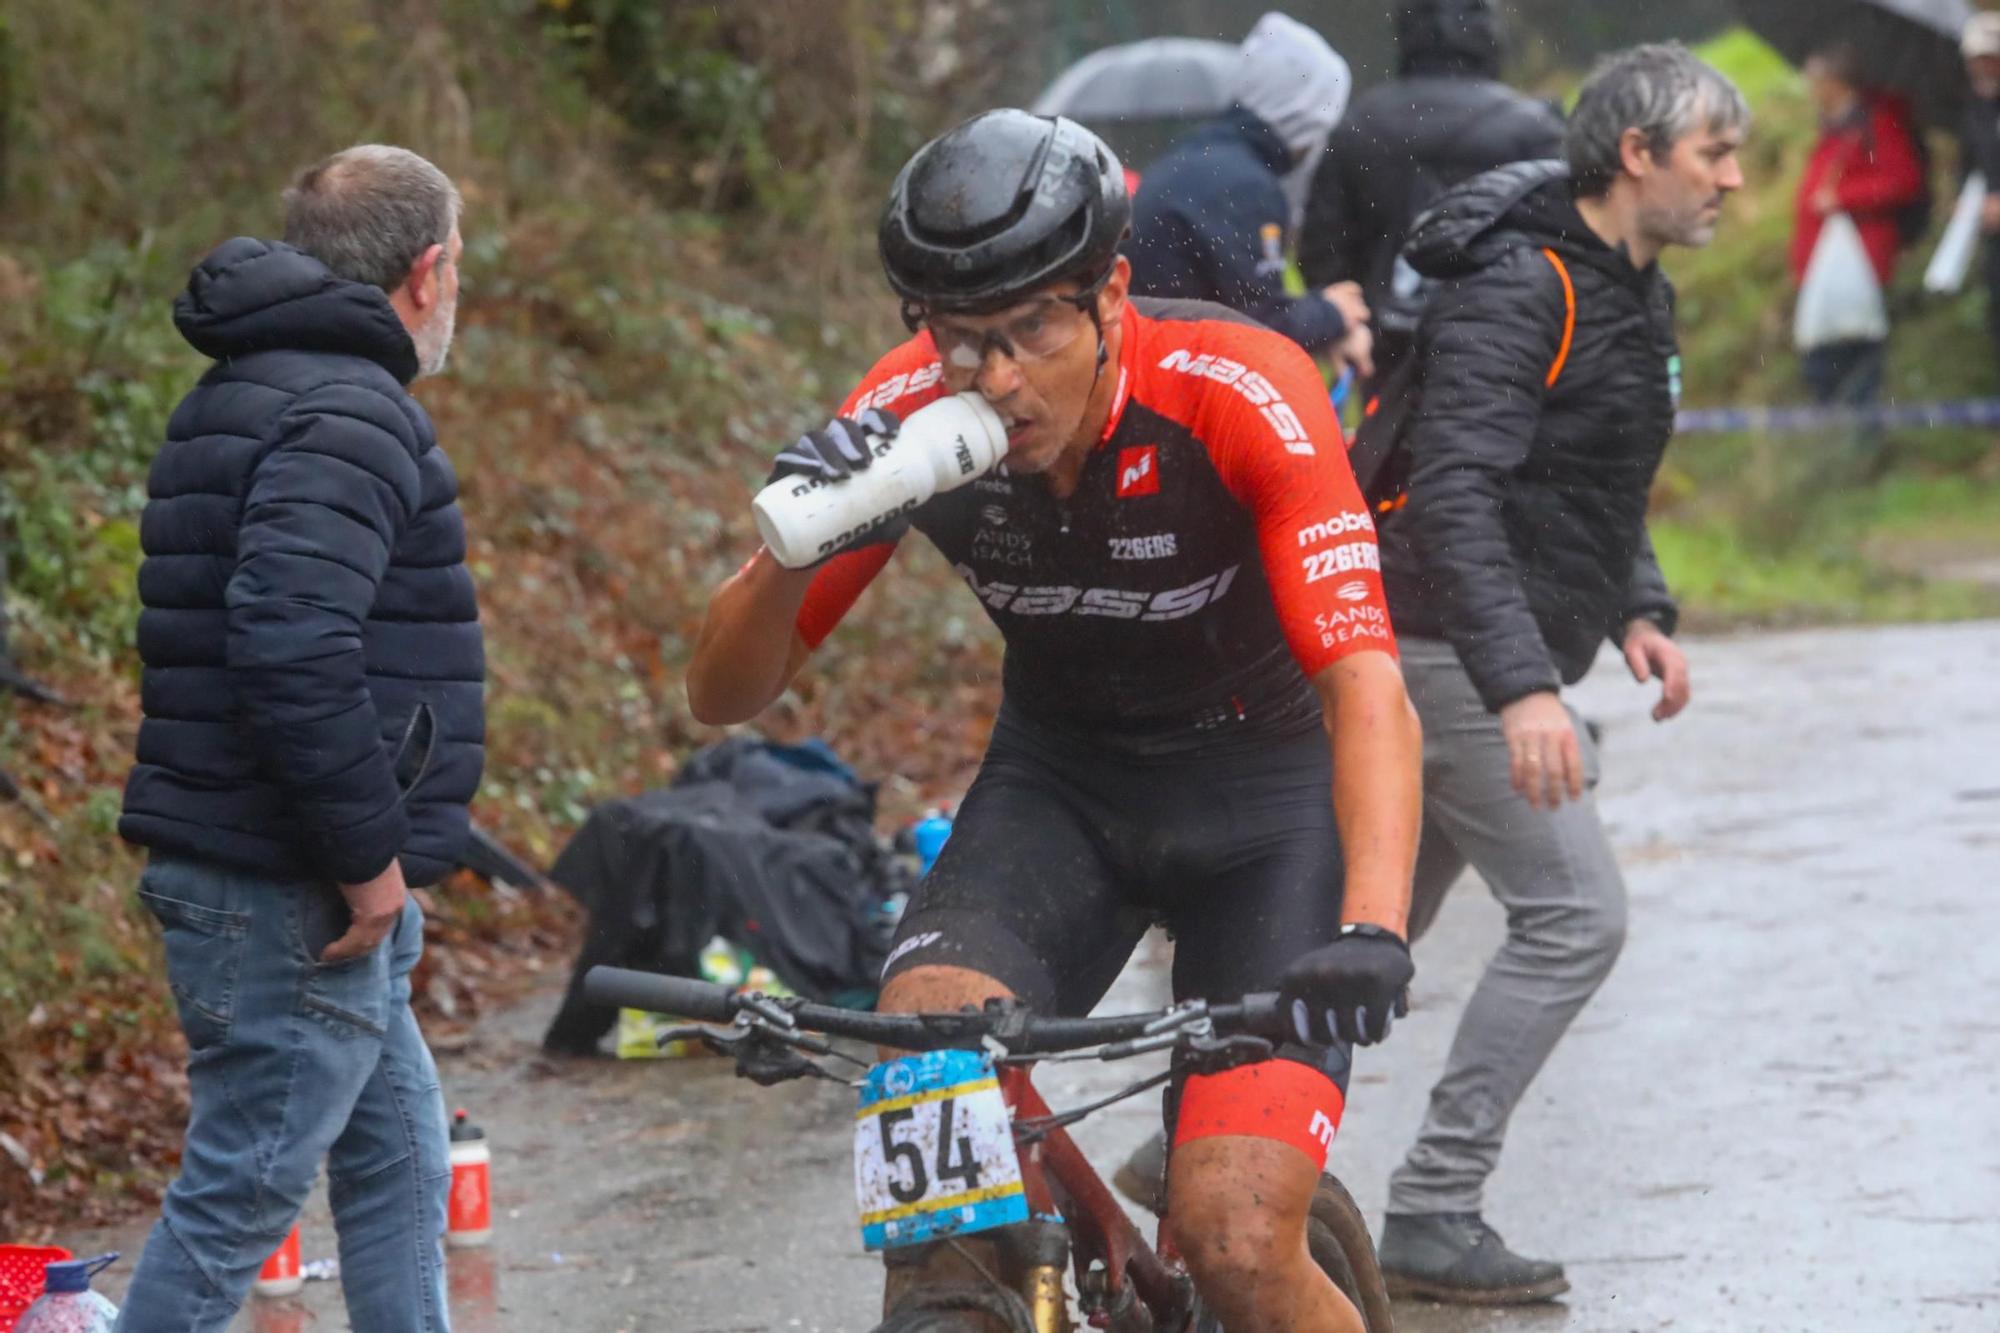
(281, 1275)
(469, 1219)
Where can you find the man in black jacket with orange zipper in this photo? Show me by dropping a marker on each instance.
(1547, 381)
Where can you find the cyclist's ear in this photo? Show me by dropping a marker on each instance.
(1117, 287)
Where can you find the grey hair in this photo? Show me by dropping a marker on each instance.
(369, 212)
(1663, 90)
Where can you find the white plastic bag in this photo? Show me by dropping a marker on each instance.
(1953, 259)
(1840, 299)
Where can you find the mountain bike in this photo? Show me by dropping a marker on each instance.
(966, 1179)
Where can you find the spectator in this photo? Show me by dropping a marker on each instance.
(1443, 118)
(1867, 164)
(1547, 382)
(313, 730)
(1210, 220)
(1981, 47)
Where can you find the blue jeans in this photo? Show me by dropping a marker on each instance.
(290, 1064)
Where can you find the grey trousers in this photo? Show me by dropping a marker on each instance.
(1565, 900)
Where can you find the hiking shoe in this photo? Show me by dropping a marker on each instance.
(1458, 1259)
(1143, 1178)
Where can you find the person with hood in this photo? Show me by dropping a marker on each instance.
(1548, 378)
(1210, 221)
(1867, 165)
(314, 719)
(1444, 117)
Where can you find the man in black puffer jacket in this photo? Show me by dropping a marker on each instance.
(1443, 118)
(1546, 388)
(313, 730)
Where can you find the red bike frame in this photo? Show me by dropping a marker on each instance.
(1099, 1228)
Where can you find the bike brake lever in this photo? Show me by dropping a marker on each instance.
(1208, 1055)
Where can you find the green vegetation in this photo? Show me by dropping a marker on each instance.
(1790, 528)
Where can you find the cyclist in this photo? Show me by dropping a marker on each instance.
(1186, 579)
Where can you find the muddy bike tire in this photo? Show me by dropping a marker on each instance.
(956, 1309)
(1337, 1235)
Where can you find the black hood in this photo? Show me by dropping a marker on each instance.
(259, 296)
(1524, 203)
(1448, 37)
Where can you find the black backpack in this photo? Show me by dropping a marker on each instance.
(1379, 453)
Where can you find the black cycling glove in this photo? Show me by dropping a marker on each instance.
(1351, 989)
(838, 450)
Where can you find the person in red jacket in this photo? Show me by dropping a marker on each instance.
(1867, 165)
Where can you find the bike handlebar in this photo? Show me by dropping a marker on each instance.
(1022, 1032)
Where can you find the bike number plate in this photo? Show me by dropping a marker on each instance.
(934, 1151)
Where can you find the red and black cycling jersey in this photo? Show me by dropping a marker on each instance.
(1214, 555)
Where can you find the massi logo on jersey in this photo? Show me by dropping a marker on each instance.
(1357, 591)
(898, 386)
(911, 945)
(1321, 1129)
(1113, 603)
(1353, 520)
(1157, 546)
(993, 516)
(1253, 387)
(1138, 471)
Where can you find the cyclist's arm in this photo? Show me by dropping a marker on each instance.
(1284, 460)
(763, 624)
(1377, 784)
(766, 620)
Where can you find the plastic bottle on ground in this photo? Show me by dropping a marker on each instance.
(469, 1220)
(67, 1304)
(281, 1274)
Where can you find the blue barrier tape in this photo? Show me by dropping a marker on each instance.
(1803, 420)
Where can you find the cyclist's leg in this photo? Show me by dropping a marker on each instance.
(1250, 1142)
(1022, 902)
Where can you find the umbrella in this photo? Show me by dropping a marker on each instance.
(1166, 78)
(1908, 45)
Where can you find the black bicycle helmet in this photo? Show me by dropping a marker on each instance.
(1004, 203)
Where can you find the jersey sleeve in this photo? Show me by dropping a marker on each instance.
(1275, 442)
(901, 382)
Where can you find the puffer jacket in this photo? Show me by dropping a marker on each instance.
(313, 686)
(1401, 146)
(1523, 541)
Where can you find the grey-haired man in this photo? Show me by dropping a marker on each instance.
(314, 723)
(1548, 379)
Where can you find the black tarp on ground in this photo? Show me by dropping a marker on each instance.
(772, 847)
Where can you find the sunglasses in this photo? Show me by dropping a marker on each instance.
(1044, 328)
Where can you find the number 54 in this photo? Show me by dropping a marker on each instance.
(955, 1160)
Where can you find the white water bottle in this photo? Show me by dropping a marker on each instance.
(941, 446)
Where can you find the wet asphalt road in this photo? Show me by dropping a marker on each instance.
(1780, 1114)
